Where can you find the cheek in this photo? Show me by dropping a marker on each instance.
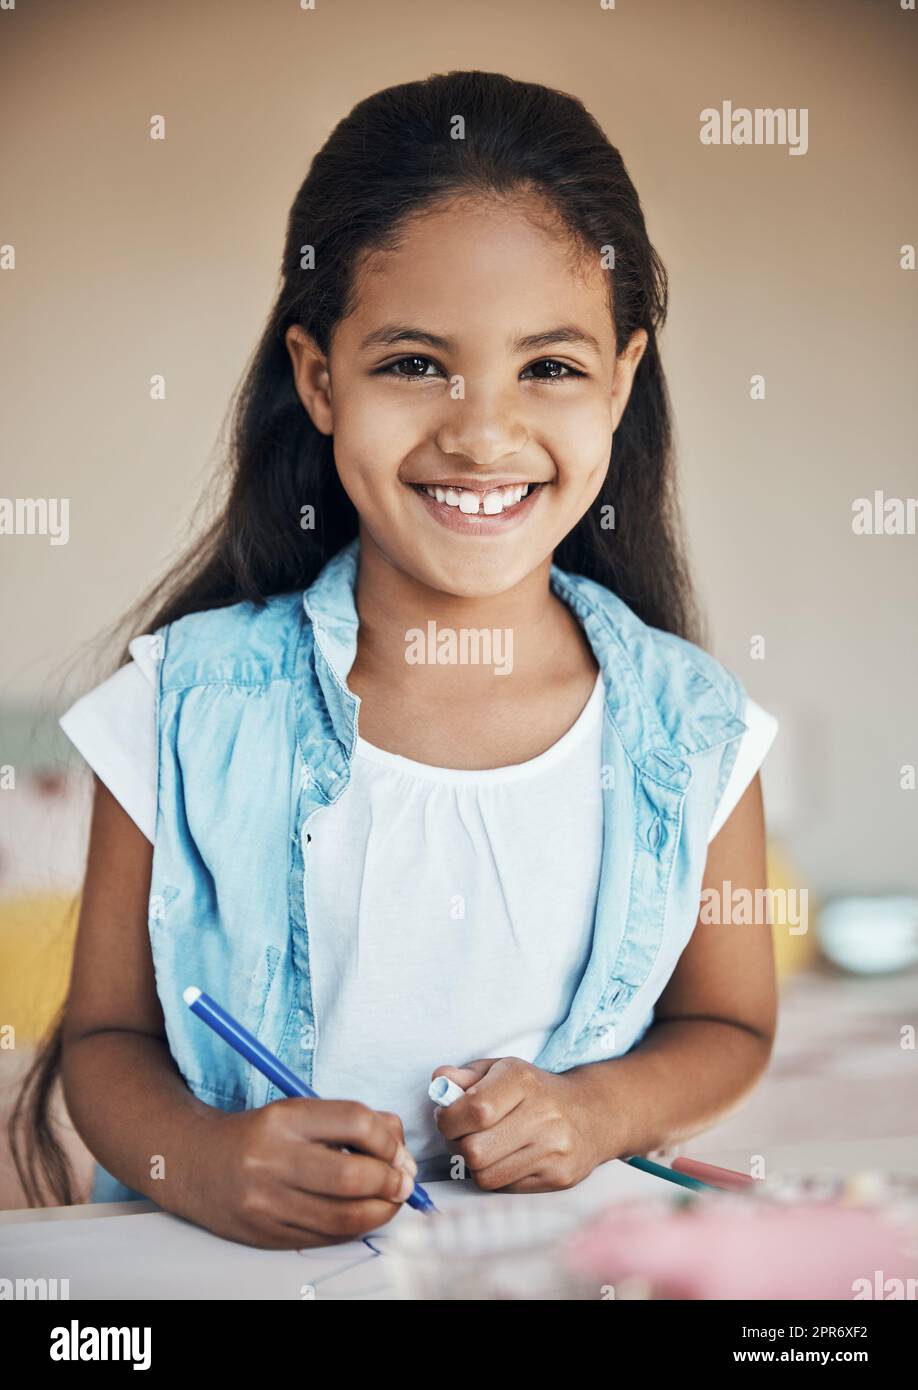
(581, 445)
(373, 435)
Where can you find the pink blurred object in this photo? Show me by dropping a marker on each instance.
(730, 1247)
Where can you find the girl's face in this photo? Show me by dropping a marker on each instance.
(472, 394)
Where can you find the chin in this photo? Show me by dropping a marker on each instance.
(475, 579)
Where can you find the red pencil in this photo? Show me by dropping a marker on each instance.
(717, 1177)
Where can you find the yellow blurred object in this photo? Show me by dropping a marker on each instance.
(37, 933)
(794, 950)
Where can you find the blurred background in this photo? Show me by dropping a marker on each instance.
(135, 257)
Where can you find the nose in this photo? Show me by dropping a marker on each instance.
(485, 427)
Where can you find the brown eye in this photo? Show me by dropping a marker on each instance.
(555, 370)
(393, 367)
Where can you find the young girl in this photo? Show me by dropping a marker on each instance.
(416, 769)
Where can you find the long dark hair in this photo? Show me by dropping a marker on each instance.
(394, 156)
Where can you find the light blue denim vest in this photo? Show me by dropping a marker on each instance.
(256, 731)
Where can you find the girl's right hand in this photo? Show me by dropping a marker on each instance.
(275, 1177)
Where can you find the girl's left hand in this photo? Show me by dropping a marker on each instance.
(518, 1128)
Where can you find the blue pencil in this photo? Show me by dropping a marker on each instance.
(248, 1046)
(658, 1170)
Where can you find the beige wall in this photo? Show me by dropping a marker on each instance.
(135, 257)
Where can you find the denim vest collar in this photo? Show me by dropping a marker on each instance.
(638, 681)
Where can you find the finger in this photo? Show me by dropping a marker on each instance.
(508, 1171)
(403, 1157)
(537, 1181)
(281, 1235)
(325, 1171)
(466, 1078)
(491, 1100)
(394, 1122)
(487, 1147)
(353, 1220)
(468, 1074)
(343, 1122)
(333, 1218)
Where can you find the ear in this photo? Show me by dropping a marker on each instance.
(626, 365)
(311, 377)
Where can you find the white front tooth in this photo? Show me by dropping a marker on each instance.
(468, 502)
(441, 494)
(493, 503)
(452, 497)
(508, 495)
(518, 489)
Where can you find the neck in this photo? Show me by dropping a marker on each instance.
(391, 603)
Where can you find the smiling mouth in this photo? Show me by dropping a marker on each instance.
(472, 502)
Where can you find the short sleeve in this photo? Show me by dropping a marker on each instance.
(755, 743)
(113, 727)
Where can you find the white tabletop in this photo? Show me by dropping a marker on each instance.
(125, 1250)
(129, 1250)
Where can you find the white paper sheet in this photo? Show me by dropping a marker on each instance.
(158, 1256)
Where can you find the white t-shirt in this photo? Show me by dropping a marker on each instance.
(418, 877)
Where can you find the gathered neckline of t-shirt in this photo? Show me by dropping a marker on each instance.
(541, 762)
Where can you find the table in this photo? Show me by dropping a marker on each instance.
(130, 1250)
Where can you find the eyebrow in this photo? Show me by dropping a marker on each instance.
(393, 333)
